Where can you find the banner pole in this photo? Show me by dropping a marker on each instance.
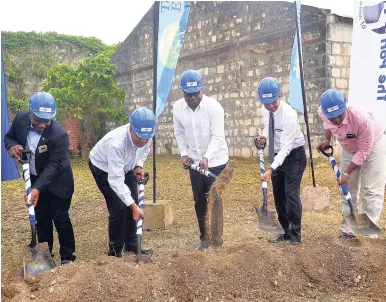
(298, 31)
(155, 55)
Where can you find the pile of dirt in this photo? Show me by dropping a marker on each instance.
(214, 217)
(315, 198)
(327, 269)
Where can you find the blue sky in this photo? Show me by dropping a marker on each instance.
(111, 21)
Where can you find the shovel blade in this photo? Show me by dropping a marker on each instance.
(37, 259)
(143, 258)
(268, 221)
(363, 225)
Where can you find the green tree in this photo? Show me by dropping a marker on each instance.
(89, 92)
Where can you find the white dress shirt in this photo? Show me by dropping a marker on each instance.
(33, 139)
(200, 133)
(116, 154)
(288, 135)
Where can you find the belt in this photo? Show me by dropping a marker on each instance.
(297, 148)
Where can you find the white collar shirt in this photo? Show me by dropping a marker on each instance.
(288, 135)
(116, 155)
(33, 138)
(200, 133)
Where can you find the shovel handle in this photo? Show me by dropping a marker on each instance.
(264, 185)
(352, 213)
(141, 198)
(25, 160)
(259, 146)
(343, 187)
(144, 180)
(325, 152)
(207, 173)
(25, 156)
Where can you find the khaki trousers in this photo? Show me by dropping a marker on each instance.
(368, 179)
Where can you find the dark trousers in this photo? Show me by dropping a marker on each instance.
(122, 227)
(201, 187)
(286, 181)
(51, 208)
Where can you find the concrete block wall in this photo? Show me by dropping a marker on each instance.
(234, 45)
(339, 36)
(339, 41)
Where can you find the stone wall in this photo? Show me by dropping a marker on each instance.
(234, 45)
(339, 37)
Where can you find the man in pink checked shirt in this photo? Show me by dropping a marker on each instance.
(363, 158)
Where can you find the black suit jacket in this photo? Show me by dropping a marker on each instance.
(52, 166)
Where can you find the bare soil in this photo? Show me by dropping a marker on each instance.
(245, 268)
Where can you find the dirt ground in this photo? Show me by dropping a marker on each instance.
(246, 268)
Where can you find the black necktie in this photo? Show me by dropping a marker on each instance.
(271, 138)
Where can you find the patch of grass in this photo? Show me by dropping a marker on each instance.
(89, 213)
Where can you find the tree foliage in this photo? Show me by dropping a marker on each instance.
(89, 86)
(19, 41)
(17, 104)
(89, 92)
(28, 56)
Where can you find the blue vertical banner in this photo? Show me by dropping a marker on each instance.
(9, 169)
(295, 88)
(173, 19)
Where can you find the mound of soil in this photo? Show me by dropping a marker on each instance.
(327, 269)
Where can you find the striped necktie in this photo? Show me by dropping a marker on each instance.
(271, 138)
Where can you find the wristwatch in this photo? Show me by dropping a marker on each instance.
(346, 174)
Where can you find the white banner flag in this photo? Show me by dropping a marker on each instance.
(368, 58)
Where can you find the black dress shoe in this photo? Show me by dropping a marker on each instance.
(279, 238)
(65, 261)
(114, 254)
(346, 236)
(68, 259)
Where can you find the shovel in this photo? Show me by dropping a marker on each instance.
(267, 219)
(37, 257)
(214, 217)
(141, 197)
(207, 173)
(361, 223)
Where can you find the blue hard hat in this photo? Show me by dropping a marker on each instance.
(43, 105)
(333, 103)
(268, 90)
(143, 122)
(191, 81)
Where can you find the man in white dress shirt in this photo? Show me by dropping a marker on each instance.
(115, 162)
(286, 156)
(199, 130)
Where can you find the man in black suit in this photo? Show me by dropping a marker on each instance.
(51, 174)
